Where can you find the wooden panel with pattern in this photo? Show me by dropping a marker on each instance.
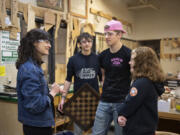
(81, 108)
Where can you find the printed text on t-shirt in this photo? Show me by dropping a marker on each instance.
(116, 61)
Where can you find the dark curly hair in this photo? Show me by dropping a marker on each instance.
(147, 65)
(27, 50)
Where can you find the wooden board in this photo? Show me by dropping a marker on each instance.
(81, 108)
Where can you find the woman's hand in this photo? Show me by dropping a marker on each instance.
(55, 89)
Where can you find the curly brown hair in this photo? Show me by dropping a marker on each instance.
(147, 65)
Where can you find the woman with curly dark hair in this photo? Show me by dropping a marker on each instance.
(35, 102)
(139, 115)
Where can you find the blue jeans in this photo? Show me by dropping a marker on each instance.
(77, 130)
(105, 114)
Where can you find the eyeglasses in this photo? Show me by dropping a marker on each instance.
(106, 27)
(44, 40)
(86, 41)
(109, 33)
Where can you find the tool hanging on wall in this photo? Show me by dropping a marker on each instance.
(174, 43)
(14, 11)
(88, 27)
(178, 41)
(101, 43)
(14, 20)
(3, 14)
(31, 18)
(49, 20)
(173, 46)
(162, 44)
(75, 33)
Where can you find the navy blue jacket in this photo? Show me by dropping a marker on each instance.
(140, 107)
(34, 104)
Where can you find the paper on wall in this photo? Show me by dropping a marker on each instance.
(2, 70)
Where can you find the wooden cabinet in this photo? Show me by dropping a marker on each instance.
(9, 124)
(169, 121)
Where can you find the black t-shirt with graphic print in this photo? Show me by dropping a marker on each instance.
(85, 69)
(117, 74)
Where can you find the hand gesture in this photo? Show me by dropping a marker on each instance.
(55, 89)
(61, 104)
(122, 121)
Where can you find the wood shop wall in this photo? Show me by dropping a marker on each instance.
(148, 22)
(154, 23)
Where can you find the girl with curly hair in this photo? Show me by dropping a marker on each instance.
(139, 115)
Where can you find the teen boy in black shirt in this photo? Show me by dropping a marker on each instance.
(114, 63)
(84, 67)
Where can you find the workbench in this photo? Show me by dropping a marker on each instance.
(169, 121)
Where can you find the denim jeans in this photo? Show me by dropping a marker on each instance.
(77, 130)
(105, 114)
